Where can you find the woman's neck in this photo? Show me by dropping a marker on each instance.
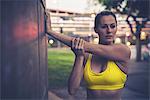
(104, 43)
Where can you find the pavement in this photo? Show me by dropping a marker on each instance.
(137, 85)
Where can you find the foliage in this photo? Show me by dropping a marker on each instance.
(138, 8)
(111, 3)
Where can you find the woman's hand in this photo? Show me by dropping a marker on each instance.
(60, 37)
(77, 46)
(48, 22)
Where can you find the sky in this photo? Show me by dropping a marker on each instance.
(69, 5)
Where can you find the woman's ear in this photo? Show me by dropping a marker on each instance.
(95, 29)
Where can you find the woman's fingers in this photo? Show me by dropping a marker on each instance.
(77, 45)
(81, 44)
(47, 13)
(77, 42)
(72, 43)
(48, 21)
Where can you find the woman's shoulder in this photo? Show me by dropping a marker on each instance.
(124, 48)
(121, 45)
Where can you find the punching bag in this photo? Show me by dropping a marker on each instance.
(23, 50)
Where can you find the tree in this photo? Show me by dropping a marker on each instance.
(135, 9)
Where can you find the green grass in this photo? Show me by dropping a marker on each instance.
(60, 63)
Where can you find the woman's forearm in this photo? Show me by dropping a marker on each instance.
(76, 75)
(61, 37)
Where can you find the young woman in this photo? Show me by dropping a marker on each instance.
(103, 65)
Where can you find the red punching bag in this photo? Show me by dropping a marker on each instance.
(23, 50)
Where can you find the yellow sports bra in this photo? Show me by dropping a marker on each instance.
(111, 79)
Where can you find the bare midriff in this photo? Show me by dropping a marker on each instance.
(104, 94)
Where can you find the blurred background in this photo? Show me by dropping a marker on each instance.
(76, 18)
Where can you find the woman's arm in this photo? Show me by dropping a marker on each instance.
(61, 37)
(117, 52)
(76, 75)
(77, 71)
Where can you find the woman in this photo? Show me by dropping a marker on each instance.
(103, 65)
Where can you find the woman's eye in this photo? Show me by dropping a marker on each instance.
(104, 26)
(107, 26)
(112, 26)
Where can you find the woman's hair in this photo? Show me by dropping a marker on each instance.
(100, 15)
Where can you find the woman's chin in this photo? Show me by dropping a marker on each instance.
(109, 41)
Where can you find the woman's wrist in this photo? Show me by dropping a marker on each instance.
(81, 56)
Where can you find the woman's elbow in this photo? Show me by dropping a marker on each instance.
(72, 90)
(127, 56)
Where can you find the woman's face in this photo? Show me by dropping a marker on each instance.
(107, 29)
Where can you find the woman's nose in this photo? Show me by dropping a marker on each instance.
(109, 30)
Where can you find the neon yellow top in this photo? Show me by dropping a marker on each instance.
(111, 79)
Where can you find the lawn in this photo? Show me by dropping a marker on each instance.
(60, 63)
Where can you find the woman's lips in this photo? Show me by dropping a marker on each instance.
(109, 37)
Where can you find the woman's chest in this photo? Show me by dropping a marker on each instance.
(98, 65)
